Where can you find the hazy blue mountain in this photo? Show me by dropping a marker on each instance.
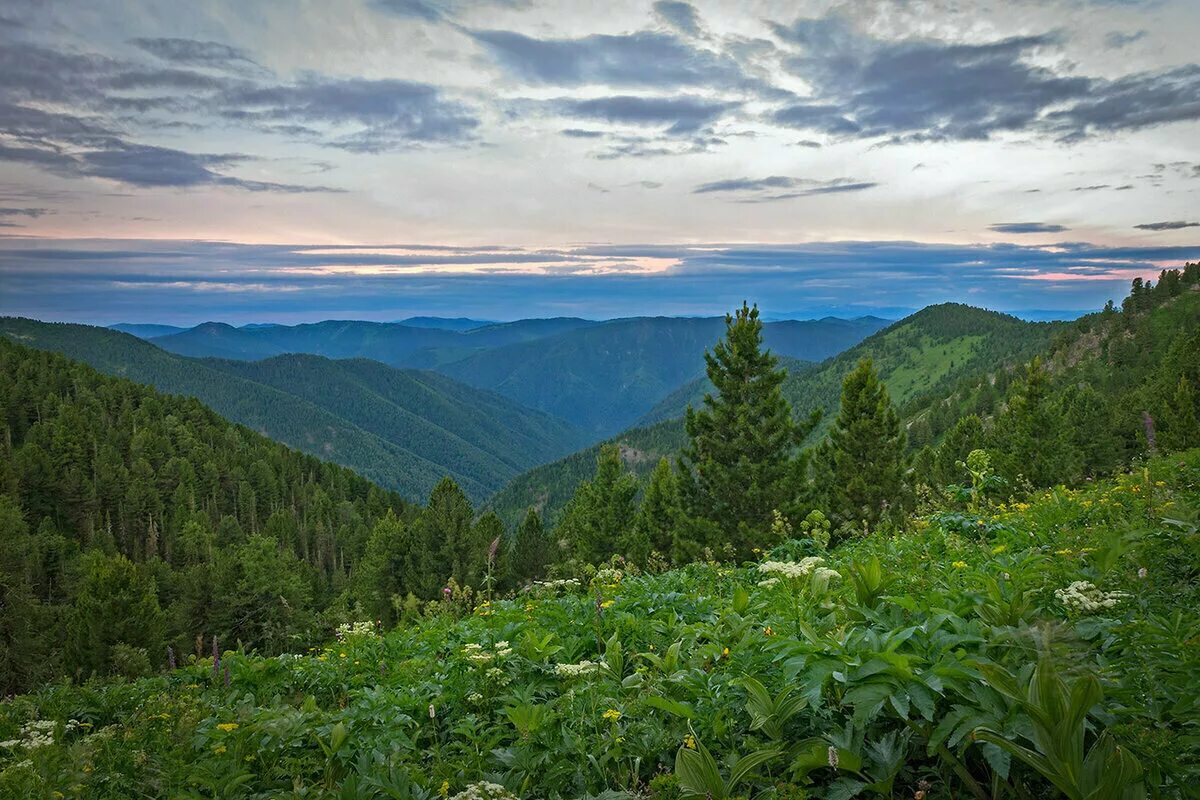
(446, 323)
(146, 330)
(605, 376)
(390, 342)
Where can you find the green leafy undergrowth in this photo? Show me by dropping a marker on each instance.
(1043, 648)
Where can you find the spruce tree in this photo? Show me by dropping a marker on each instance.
(601, 512)
(389, 569)
(448, 539)
(1031, 436)
(659, 512)
(531, 552)
(1182, 428)
(741, 442)
(865, 454)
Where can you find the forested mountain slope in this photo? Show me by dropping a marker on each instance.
(392, 343)
(604, 377)
(920, 355)
(146, 331)
(128, 516)
(363, 415)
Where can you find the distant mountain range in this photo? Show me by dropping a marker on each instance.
(403, 429)
(599, 376)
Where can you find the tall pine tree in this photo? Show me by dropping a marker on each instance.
(738, 462)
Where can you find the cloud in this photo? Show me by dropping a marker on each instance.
(651, 59)
(437, 10)
(581, 133)
(1167, 226)
(1118, 39)
(1027, 227)
(196, 53)
(683, 114)
(933, 90)
(32, 213)
(763, 189)
(682, 16)
(390, 113)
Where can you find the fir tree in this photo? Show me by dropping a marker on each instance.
(1181, 428)
(865, 454)
(390, 569)
(741, 442)
(531, 552)
(1030, 436)
(659, 512)
(449, 538)
(601, 512)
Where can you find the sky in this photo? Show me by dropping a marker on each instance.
(375, 159)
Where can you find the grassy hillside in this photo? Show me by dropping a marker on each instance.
(604, 377)
(867, 682)
(365, 416)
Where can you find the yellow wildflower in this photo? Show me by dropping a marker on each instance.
(768, 632)
(219, 749)
(689, 742)
(228, 726)
(725, 652)
(959, 565)
(606, 604)
(612, 715)
(998, 549)
(444, 789)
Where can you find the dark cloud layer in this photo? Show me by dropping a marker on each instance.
(782, 187)
(1167, 226)
(682, 114)
(1027, 227)
(926, 89)
(650, 59)
(77, 114)
(682, 16)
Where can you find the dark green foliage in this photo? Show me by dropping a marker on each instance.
(116, 606)
(738, 463)
(531, 553)
(862, 465)
(660, 510)
(26, 625)
(1181, 427)
(189, 527)
(1031, 435)
(599, 518)
(391, 568)
(446, 532)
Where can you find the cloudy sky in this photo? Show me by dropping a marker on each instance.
(177, 162)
